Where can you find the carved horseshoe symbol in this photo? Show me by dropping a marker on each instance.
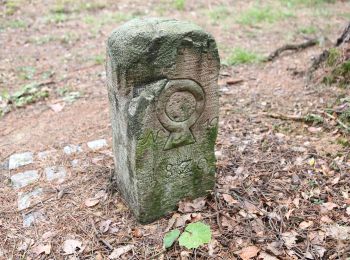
(180, 132)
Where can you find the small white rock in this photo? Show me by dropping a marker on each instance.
(20, 159)
(55, 173)
(70, 149)
(75, 163)
(25, 199)
(97, 144)
(30, 218)
(218, 155)
(23, 179)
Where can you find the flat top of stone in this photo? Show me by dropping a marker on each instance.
(97, 144)
(158, 36)
(23, 179)
(20, 159)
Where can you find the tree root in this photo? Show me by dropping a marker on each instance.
(293, 47)
(285, 117)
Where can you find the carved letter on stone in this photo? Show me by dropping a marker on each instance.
(162, 87)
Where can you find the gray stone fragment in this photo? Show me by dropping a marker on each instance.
(75, 163)
(23, 179)
(4, 165)
(20, 159)
(55, 173)
(71, 149)
(164, 100)
(46, 154)
(97, 144)
(26, 199)
(31, 218)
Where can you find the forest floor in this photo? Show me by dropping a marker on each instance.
(283, 183)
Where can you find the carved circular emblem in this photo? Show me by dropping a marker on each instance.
(179, 106)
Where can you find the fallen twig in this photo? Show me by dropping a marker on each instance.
(293, 47)
(285, 117)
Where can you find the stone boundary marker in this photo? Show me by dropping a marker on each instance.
(164, 99)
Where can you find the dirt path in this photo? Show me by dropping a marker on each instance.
(288, 180)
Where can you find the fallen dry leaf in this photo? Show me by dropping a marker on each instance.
(226, 222)
(192, 206)
(289, 239)
(314, 130)
(181, 221)
(38, 250)
(137, 232)
(266, 256)
(320, 250)
(48, 235)
(326, 219)
(275, 248)
(72, 246)
(328, 206)
(306, 224)
(196, 217)
(338, 232)
(56, 107)
(121, 207)
(120, 251)
(249, 252)
(229, 199)
(172, 221)
(104, 225)
(90, 202)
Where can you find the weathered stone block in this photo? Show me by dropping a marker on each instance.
(162, 86)
(23, 179)
(55, 173)
(97, 144)
(20, 159)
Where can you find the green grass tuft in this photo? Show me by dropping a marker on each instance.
(243, 56)
(218, 13)
(262, 14)
(179, 4)
(309, 3)
(307, 29)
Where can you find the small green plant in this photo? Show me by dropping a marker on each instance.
(97, 22)
(317, 201)
(56, 18)
(47, 74)
(242, 56)
(309, 3)
(195, 235)
(219, 13)
(307, 29)
(68, 95)
(68, 38)
(179, 4)
(333, 57)
(99, 59)
(28, 94)
(26, 72)
(11, 6)
(313, 118)
(343, 141)
(262, 14)
(170, 238)
(340, 75)
(14, 24)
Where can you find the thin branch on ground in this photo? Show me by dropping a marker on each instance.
(292, 47)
